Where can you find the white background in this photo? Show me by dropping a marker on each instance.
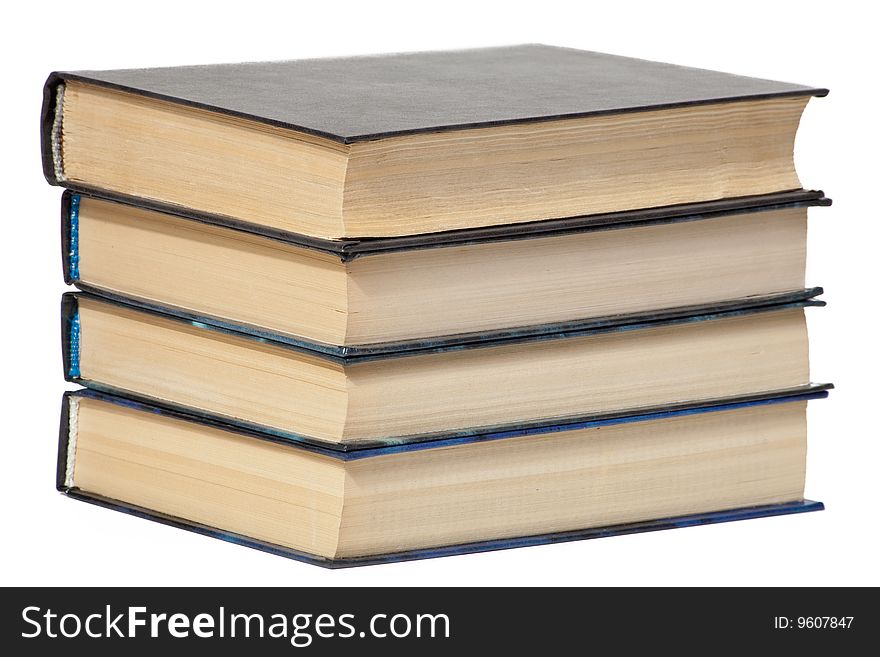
(48, 539)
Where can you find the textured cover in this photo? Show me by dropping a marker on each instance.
(351, 354)
(481, 546)
(359, 98)
(348, 249)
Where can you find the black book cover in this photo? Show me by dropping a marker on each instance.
(354, 99)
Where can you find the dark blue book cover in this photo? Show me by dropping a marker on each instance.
(66, 484)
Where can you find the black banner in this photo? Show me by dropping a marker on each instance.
(431, 621)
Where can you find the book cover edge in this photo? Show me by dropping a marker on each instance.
(350, 248)
(47, 120)
(70, 236)
(70, 335)
(395, 444)
(58, 77)
(349, 354)
(63, 442)
(676, 522)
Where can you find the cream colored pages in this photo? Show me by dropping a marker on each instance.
(429, 182)
(257, 281)
(505, 488)
(233, 376)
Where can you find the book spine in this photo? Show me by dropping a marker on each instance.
(70, 236)
(50, 124)
(66, 442)
(70, 334)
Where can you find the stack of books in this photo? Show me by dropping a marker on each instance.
(366, 309)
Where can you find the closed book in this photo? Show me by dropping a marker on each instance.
(420, 143)
(443, 286)
(638, 472)
(418, 390)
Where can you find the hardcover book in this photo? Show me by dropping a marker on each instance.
(420, 143)
(352, 293)
(418, 390)
(368, 309)
(637, 472)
